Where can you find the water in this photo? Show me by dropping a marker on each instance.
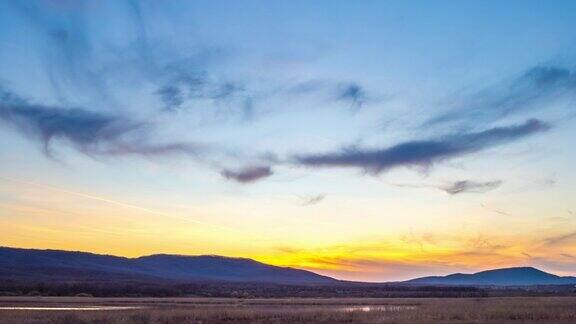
(355, 308)
(379, 308)
(70, 308)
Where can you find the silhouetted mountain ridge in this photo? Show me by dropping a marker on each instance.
(41, 265)
(517, 276)
(51, 266)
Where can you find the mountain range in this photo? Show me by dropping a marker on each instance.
(520, 276)
(25, 265)
(56, 265)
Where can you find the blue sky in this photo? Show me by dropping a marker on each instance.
(367, 140)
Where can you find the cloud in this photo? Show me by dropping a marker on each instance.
(535, 88)
(313, 200)
(248, 174)
(497, 211)
(190, 79)
(92, 133)
(561, 239)
(422, 254)
(465, 186)
(307, 87)
(181, 86)
(82, 64)
(457, 187)
(422, 153)
(486, 244)
(66, 46)
(151, 149)
(143, 44)
(185, 83)
(171, 96)
(75, 64)
(352, 93)
(418, 239)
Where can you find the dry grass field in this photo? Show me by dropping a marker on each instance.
(302, 310)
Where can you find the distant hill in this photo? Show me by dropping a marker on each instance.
(55, 265)
(521, 276)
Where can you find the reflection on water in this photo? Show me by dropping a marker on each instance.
(71, 308)
(379, 308)
(355, 308)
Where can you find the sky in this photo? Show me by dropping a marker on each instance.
(365, 140)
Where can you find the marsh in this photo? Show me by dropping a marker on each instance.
(289, 310)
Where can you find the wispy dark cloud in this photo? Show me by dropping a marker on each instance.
(352, 93)
(469, 186)
(182, 78)
(171, 96)
(74, 62)
(66, 46)
(537, 87)
(182, 84)
(189, 81)
(313, 200)
(143, 43)
(457, 187)
(143, 148)
(81, 63)
(422, 153)
(248, 174)
(90, 132)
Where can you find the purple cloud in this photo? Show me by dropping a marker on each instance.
(248, 174)
(423, 152)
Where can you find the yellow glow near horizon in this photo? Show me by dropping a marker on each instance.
(50, 217)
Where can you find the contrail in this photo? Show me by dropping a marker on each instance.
(118, 203)
(154, 212)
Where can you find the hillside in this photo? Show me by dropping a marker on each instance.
(520, 276)
(56, 265)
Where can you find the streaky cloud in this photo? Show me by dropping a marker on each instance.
(190, 79)
(313, 199)
(248, 174)
(189, 85)
(143, 43)
(456, 187)
(469, 186)
(182, 86)
(536, 88)
(423, 153)
(561, 239)
(74, 64)
(352, 93)
(92, 133)
(152, 149)
(171, 96)
(67, 48)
